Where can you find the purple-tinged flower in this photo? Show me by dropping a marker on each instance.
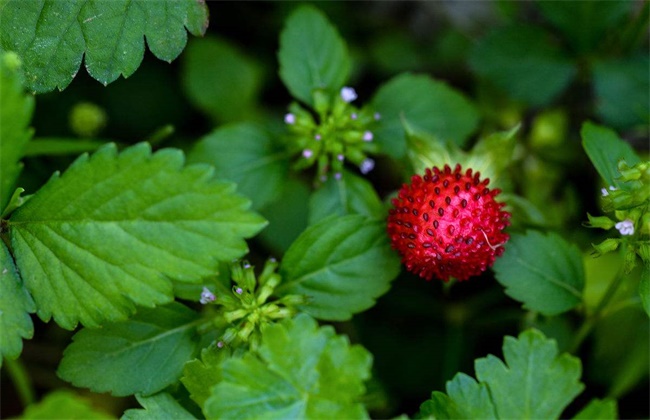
(239, 290)
(317, 137)
(377, 116)
(307, 153)
(348, 94)
(340, 157)
(290, 118)
(220, 344)
(207, 296)
(367, 136)
(366, 166)
(337, 176)
(626, 227)
(354, 116)
(605, 192)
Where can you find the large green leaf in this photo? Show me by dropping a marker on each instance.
(544, 272)
(342, 264)
(605, 149)
(524, 62)
(142, 355)
(160, 406)
(64, 405)
(115, 228)
(533, 383)
(51, 37)
(220, 80)
(15, 304)
(428, 105)
(245, 153)
(15, 114)
(299, 371)
(312, 54)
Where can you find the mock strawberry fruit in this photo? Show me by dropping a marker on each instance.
(448, 224)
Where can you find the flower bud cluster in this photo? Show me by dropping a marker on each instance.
(628, 207)
(246, 309)
(336, 133)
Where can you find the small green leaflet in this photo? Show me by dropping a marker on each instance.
(64, 405)
(533, 383)
(312, 55)
(342, 264)
(52, 37)
(544, 272)
(15, 304)
(113, 230)
(605, 149)
(140, 356)
(161, 406)
(299, 371)
(16, 110)
(200, 375)
(599, 409)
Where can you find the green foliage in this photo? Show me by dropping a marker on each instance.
(114, 228)
(220, 80)
(140, 356)
(544, 272)
(246, 154)
(605, 149)
(597, 410)
(200, 375)
(519, 59)
(299, 371)
(341, 264)
(16, 304)
(160, 406)
(55, 35)
(15, 114)
(64, 405)
(312, 55)
(644, 289)
(428, 105)
(534, 382)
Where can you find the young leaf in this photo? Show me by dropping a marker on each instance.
(245, 153)
(312, 55)
(465, 399)
(524, 62)
(534, 382)
(159, 406)
(219, 79)
(51, 37)
(341, 264)
(15, 114)
(299, 371)
(200, 375)
(113, 230)
(428, 105)
(598, 410)
(544, 272)
(142, 355)
(605, 148)
(64, 405)
(349, 195)
(15, 304)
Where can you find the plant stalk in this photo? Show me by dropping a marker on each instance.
(21, 380)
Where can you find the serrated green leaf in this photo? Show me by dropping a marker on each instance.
(63, 405)
(599, 410)
(524, 62)
(428, 105)
(439, 406)
(544, 272)
(16, 304)
(622, 90)
(492, 154)
(220, 80)
(16, 110)
(299, 371)
(246, 154)
(605, 148)
(200, 375)
(51, 37)
(142, 355)
(113, 230)
(312, 54)
(161, 406)
(342, 264)
(465, 399)
(349, 195)
(534, 382)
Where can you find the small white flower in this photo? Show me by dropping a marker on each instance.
(239, 290)
(605, 192)
(220, 344)
(366, 166)
(337, 176)
(377, 116)
(348, 94)
(626, 227)
(367, 136)
(317, 137)
(290, 119)
(207, 296)
(307, 153)
(354, 116)
(340, 157)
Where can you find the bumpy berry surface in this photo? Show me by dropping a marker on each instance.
(448, 224)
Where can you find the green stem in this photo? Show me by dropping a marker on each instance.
(21, 380)
(591, 320)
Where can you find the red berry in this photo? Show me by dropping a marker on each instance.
(448, 224)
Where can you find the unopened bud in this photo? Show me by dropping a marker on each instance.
(608, 245)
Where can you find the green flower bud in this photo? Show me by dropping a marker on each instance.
(87, 120)
(608, 245)
(601, 222)
(643, 250)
